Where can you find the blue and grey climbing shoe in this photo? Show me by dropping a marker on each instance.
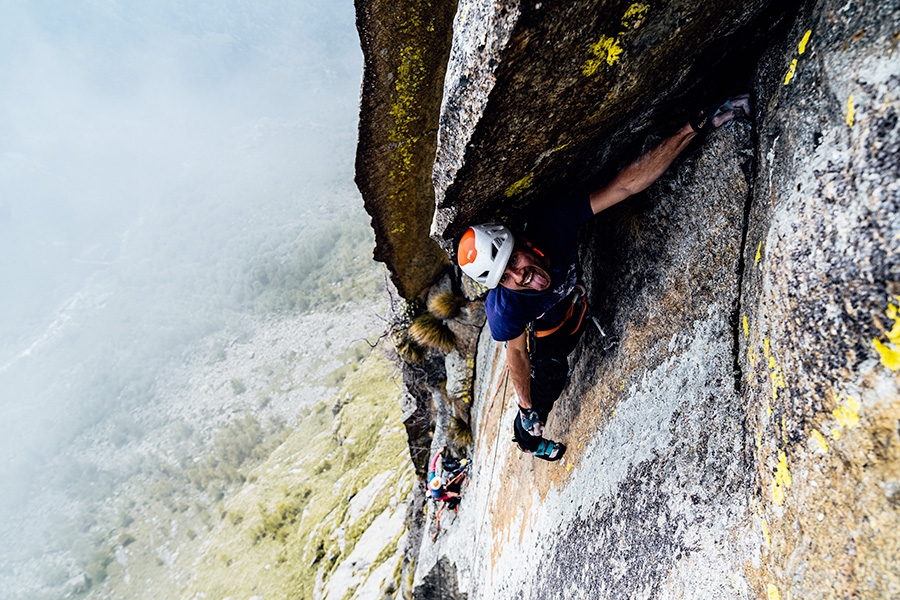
(549, 450)
(738, 106)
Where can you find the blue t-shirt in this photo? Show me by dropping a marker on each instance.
(554, 230)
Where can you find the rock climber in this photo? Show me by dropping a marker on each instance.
(535, 303)
(446, 489)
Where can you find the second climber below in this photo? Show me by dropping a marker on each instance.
(535, 301)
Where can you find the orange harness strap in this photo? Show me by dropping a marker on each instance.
(569, 314)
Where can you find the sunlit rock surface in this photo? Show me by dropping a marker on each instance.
(822, 275)
(741, 440)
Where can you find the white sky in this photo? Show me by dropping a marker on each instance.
(147, 148)
(110, 109)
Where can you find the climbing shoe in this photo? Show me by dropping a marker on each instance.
(549, 450)
(738, 106)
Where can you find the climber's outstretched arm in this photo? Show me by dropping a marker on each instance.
(638, 176)
(520, 369)
(646, 169)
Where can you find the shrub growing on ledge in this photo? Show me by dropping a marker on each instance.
(407, 349)
(445, 305)
(431, 332)
(460, 431)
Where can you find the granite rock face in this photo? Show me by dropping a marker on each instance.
(405, 45)
(555, 96)
(539, 98)
(742, 438)
(652, 499)
(823, 271)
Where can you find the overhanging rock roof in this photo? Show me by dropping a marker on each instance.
(539, 97)
(405, 44)
(554, 96)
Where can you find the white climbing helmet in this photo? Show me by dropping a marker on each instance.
(436, 483)
(484, 251)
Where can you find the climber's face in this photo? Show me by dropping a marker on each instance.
(526, 269)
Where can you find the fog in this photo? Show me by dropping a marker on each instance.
(150, 155)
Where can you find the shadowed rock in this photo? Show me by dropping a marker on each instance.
(544, 97)
(405, 45)
(440, 584)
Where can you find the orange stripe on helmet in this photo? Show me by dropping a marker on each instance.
(467, 251)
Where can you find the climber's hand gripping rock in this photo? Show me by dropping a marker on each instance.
(531, 422)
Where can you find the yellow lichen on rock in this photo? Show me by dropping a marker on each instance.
(607, 50)
(888, 353)
(520, 186)
(791, 71)
(890, 358)
(772, 592)
(802, 47)
(410, 75)
(850, 112)
(893, 313)
(777, 376)
(847, 413)
(635, 13)
(819, 440)
(782, 479)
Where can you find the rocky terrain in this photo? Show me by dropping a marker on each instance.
(235, 447)
(742, 438)
(736, 435)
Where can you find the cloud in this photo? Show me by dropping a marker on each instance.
(146, 148)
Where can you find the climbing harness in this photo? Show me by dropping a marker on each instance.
(580, 301)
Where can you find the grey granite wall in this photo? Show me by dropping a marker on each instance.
(742, 440)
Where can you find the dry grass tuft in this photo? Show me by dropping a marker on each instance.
(429, 331)
(460, 432)
(408, 349)
(445, 305)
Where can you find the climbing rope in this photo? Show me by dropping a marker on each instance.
(499, 383)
